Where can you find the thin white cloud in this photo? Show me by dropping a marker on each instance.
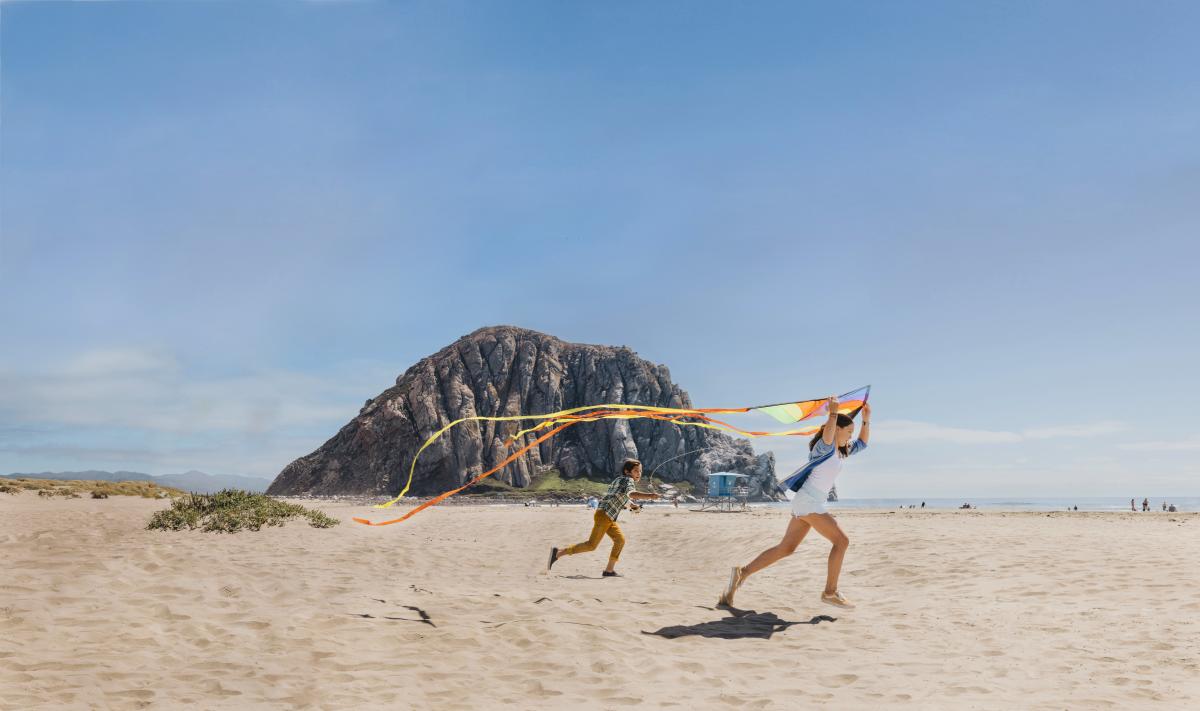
(903, 431)
(249, 458)
(1096, 429)
(1190, 444)
(256, 423)
(150, 391)
(118, 361)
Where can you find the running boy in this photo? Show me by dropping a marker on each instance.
(620, 491)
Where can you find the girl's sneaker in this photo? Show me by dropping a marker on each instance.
(837, 600)
(735, 581)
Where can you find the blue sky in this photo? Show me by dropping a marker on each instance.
(226, 225)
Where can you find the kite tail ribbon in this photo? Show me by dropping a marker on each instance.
(787, 413)
(442, 497)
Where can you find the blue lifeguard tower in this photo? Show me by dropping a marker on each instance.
(726, 492)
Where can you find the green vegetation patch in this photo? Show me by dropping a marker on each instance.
(551, 481)
(232, 510)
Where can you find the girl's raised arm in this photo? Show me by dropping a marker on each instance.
(830, 429)
(864, 432)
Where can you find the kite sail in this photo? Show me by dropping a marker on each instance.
(789, 412)
(552, 423)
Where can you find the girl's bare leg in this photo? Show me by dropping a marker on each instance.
(827, 526)
(796, 530)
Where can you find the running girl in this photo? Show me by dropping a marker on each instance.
(828, 451)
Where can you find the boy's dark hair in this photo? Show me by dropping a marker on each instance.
(629, 465)
(843, 420)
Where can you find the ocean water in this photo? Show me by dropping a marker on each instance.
(1085, 503)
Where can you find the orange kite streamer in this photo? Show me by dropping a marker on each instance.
(556, 422)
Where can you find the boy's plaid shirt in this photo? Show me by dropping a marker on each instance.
(617, 497)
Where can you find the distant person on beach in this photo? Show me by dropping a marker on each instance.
(922, 504)
(828, 452)
(1132, 506)
(1171, 508)
(1145, 504)
(604, 521)
(1164, 506)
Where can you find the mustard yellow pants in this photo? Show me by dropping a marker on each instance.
(601, 525)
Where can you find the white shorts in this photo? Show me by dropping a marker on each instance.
(807, 501)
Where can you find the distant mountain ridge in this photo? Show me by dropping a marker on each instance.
(195, 481)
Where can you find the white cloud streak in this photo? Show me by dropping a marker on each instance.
(138, 408)
(904, 431)
(1096, 429)
(256, 423)
(150, 391)
(263, 459)
(1190, 444)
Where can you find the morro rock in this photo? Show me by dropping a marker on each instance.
(504, 370)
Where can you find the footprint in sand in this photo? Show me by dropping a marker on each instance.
(839, 680)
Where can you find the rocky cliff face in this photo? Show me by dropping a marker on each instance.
(504, 370)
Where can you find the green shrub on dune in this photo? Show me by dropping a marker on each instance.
(232, 510)
(65, 493)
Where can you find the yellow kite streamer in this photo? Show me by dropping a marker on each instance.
(574, 416)
(556, 422)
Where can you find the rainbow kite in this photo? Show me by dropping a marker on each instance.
(552, 423)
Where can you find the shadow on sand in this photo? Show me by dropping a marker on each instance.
(741, 624)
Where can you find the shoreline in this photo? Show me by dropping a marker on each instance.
(846, 506)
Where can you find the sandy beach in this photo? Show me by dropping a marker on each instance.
(957, 609)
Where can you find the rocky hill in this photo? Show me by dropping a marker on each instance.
(507, 370)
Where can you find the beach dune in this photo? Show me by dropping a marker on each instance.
(452, 609)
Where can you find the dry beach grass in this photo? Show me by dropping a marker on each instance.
(69, 488)
(962, 609)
